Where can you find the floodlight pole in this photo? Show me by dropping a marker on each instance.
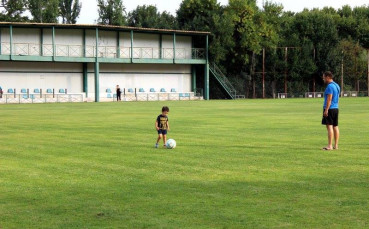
(342, 75)
(314, 75)
(285, 72)
(368, 70)
(264, 73)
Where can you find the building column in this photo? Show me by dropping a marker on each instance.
(53, 41)
(84, 42)
(97, 81)
(161, 46)
(97, 69)
(174, 48)
(0, 40)
(206, 84)
(85, 79)
(118, 44)
(41, 42)
(11, 41)
(193, 70)
(131, 46)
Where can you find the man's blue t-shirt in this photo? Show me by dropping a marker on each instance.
(334, 90)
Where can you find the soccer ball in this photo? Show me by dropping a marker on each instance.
(171, 144)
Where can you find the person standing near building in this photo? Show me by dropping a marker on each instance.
(1, 92)
(119, 93)
(330, 110)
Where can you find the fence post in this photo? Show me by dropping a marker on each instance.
(53, 93)
(15, 93)
(41, 93)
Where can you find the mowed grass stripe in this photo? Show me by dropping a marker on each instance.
(247, 163)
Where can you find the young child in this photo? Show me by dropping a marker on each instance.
(162, 126)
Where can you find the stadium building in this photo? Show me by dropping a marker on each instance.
(51, 62)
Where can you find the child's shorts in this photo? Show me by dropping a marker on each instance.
(163, 132)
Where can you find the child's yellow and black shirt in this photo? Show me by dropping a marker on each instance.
(162, 122)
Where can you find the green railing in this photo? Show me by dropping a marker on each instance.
(222, 79)
(29, 49)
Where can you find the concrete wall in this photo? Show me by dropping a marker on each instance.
(74, 37)
(46, 75)
(141, 76)
(69, 76)
(34, 75)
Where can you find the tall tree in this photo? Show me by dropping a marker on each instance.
(355, 64)
(14, 10)
(149, 17)
(44, 11)
(208, 15)
(70, 10)
(111, 12)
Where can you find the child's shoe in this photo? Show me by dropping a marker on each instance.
(156, 145)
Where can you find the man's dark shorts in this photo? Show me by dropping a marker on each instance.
(332, 118)
(163, 132)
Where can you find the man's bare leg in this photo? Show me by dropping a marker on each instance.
(330, 137)
(336, 136)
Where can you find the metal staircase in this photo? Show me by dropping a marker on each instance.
(224, 82)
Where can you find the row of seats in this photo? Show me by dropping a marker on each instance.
(48, 91)
(141, 90)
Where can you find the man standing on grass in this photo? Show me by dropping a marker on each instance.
(330, 112)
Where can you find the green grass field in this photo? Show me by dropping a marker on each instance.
(250, 163)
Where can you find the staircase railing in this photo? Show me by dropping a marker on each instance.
(223, 80)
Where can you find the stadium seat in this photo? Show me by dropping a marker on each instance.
(36, 91)
(184, 94)
(163, 90)
(61, 91)
(109, 96)
(173, 90)
(152, 90)
(25, 96)
(49, 91)
(141, 90)
(23, 90)
(130, 90)
(32, 96)
(10, 90)
(108, 90)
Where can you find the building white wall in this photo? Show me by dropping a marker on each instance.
(33, 75)
(141, 40)
(141, 76)
(69, 76)
(69, 42)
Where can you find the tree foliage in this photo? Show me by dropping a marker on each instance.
(13, 11)
(70, 10)
(208, 15)
(44, 11)
(148, 16)
(111, 12)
